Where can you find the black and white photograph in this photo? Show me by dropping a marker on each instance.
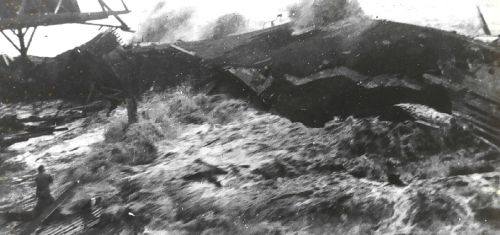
(252, 117)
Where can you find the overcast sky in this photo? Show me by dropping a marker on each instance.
(459, 15)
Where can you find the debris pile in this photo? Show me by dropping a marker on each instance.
(19, 127)
(351, 67)
(352, 126)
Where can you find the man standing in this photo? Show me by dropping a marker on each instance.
(44, 198)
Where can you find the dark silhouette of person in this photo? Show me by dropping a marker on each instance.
(44, 198)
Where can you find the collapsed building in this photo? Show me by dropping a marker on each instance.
(360, 68)
(354, 68)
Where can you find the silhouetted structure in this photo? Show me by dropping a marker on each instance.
(19, 17)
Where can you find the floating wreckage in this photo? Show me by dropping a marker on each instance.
(19, 18)
(360, 68)
(372, 68)
(363, 69)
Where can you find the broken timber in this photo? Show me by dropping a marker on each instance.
(36, 223)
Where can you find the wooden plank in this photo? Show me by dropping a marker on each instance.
(485, 26)
(74, 225)
(492, 99)
(33, 225)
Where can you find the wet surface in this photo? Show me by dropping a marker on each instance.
(221, 166)
(362, 126)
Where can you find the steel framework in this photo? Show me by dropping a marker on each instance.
(30, 14)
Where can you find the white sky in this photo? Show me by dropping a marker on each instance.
(459, 15)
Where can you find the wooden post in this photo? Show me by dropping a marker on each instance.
(486, 29)
(22, 46)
